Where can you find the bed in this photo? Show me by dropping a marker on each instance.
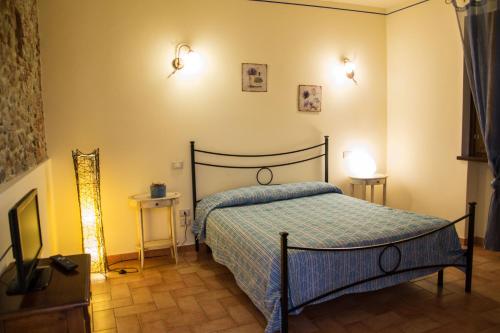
(296, 244)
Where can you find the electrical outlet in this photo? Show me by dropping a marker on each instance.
(185, 217)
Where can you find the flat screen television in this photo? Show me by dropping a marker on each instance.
(26, 237)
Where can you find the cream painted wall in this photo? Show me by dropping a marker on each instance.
(39, 178)
(104, 80)
(479, 190)
(424, 111)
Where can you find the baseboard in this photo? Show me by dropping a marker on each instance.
(115, 258)
(477, 241)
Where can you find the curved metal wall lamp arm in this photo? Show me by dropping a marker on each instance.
(178, 63)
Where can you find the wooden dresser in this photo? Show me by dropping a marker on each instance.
(61, 307)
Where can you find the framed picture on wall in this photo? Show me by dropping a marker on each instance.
(309, 98)
(254, 77)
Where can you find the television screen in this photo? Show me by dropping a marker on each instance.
(26, 239)
(29, 233)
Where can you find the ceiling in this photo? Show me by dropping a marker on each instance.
(384, 4)
(374, 6)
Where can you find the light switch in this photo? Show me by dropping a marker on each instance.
(178, 165)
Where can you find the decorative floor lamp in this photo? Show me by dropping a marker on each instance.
(89, 198)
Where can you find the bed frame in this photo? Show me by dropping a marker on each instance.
(285, 248)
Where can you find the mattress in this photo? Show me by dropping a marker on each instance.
(242, 228)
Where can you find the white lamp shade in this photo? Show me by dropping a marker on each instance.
(349, 67)
(360, 164)
(192, 62)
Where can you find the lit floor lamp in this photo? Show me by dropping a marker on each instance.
(89, 197)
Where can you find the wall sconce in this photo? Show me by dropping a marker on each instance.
(350, 69)
(185, 57)
(89, 198)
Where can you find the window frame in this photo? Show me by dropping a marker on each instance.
(469, 123)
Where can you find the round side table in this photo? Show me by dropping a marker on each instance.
(144, 201)
(377, 179)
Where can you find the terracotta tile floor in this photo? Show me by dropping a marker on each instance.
(199, 295)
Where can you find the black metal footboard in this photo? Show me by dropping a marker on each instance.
(385, 272)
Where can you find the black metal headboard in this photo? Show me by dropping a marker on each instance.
(259, 168)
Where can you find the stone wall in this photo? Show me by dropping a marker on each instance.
(22, 136)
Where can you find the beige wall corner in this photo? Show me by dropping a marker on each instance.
(479, 177)
(424, 113)
(104, 79)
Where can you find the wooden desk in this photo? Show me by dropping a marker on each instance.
(61, 307)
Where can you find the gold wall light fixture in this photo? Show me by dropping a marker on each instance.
(185, 57)
(350, 69)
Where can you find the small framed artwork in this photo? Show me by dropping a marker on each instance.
(309, 98)
(254, 77)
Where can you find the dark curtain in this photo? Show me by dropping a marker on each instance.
(479, 22)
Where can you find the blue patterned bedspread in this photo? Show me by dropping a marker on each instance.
(242, 228)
